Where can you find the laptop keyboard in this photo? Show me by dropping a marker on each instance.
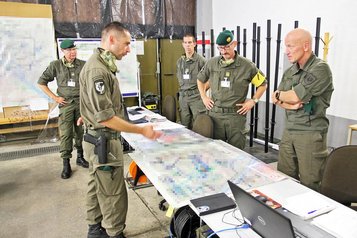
(298, 234)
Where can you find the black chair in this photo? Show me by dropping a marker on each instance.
(203, 125)
(169, 108)
(339, 181)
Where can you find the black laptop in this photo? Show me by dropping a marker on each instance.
(269, 222)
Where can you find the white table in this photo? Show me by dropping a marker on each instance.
(183, 165)
(281, 191)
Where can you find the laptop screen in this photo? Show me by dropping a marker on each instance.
(263, 219)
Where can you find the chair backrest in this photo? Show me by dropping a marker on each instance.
(169, 108)
(203, 125)
(339, 181)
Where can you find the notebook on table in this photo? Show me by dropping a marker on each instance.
(213, 203)
(272, 223)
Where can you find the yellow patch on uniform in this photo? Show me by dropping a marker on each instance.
(258, 79)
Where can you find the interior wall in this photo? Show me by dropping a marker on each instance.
(342, 48)
(204, 16)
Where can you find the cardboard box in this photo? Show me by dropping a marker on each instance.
(18, 114)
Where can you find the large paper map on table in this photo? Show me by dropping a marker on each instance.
(192, 166)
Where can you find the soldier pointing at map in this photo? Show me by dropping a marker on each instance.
(102, 111)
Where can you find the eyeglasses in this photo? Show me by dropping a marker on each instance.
(224, 47)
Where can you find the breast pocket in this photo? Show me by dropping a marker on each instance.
(215, 81)
(240, 84)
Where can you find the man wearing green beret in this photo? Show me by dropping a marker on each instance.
(229, 76)
(188, 66)
(66, 72)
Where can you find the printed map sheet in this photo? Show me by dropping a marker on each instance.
(184, 165)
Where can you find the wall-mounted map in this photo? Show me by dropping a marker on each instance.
(25, 52)
(128, 65)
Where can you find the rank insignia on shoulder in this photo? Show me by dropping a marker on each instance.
(99, 87)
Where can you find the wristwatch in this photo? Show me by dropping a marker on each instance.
(277, 95)
(256, 100)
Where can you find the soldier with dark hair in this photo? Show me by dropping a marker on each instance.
(188, 66)
(102, 112)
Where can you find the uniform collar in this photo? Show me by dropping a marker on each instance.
(308, 63)
(193, 58)
(235, 62)
(68, 64)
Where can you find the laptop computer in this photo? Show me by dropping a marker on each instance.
(269, 222)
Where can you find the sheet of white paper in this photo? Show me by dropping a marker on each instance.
(341, 222)
(308, 205)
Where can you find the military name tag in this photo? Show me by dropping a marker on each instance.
(186, 76)
(225, 84)
(71, 83)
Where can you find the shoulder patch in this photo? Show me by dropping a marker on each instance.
(308, 79)
(99, 86)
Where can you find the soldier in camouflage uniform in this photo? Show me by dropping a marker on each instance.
(102, 111)
(66, 72)
(229, 76)
(188, 66)
(305, 93)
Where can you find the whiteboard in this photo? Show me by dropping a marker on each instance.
(128, 65)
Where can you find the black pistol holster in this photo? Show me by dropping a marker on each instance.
(101, 147)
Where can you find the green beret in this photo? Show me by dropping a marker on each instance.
(66, 44)
(224, 38)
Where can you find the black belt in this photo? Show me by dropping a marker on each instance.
(189, 92)
(110, 135)
(224, 109)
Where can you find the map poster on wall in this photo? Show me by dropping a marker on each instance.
(25, 52)
(128, 65)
